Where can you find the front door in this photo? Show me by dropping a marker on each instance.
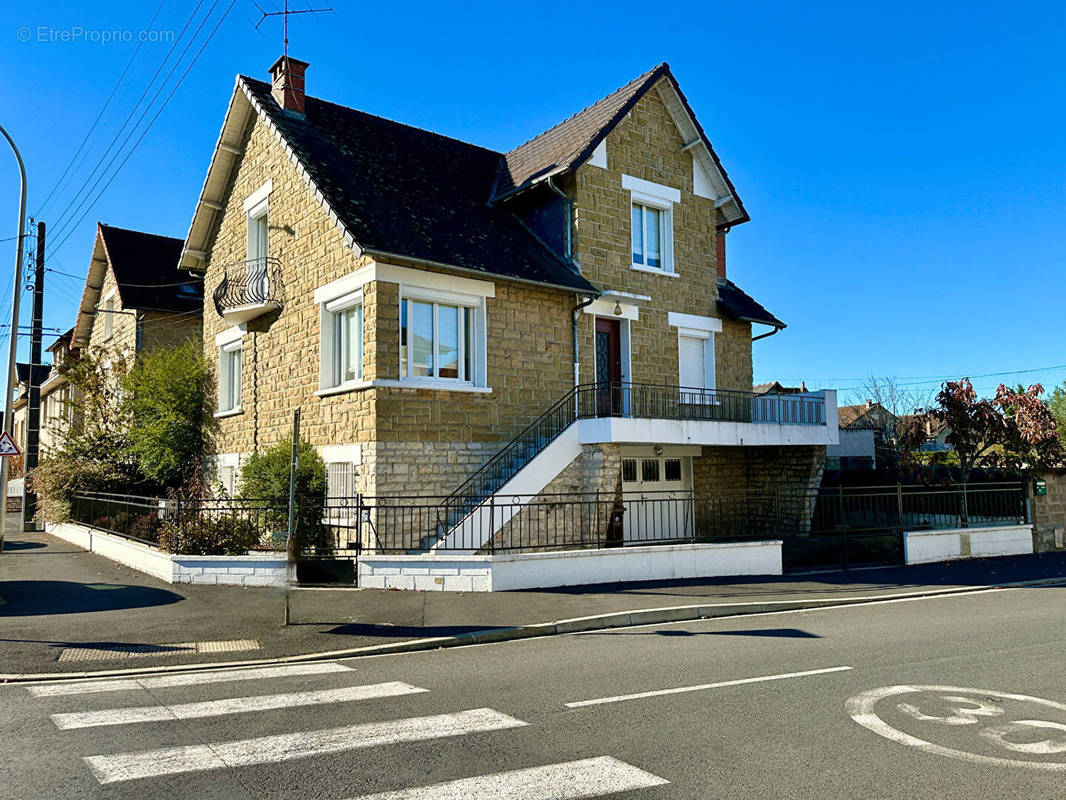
(608, 366)
(657, 494)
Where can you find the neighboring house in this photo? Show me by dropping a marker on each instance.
(20, 407)
(423, 300)
(865, 429)
(135, 297)
(935, 432)
(58, 413)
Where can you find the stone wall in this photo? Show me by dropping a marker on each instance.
(647, 145)
(1049, 514)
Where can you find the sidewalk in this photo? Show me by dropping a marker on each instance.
(68, 611)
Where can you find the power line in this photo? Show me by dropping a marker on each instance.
(100, 115)
(151, 122)
(61, 218)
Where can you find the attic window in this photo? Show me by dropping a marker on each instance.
(651, 224)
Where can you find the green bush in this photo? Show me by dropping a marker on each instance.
(191, 534)
(168, 401)
(265, 476)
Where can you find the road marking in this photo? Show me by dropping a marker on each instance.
(590, 777)
(121, 651)
(185, 679)
(272, 749)
(863, 709)
(702, 686)
(235, 705)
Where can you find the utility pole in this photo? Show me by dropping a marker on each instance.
(12, 380)
(33, 416)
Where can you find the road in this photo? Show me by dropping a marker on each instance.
(775, 706)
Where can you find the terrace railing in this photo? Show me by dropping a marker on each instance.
(251, 284)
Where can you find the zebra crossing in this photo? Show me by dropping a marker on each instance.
(598, 776)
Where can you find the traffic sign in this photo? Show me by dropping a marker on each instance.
(8, 446)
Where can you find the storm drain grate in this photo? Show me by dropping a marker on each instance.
(122, 651)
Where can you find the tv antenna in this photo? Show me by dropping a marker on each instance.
(284, 14)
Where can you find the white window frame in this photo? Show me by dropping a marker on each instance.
(662, 198)
(334, 342)
(109, 316)
(693, 326)
(229, 402)
(479, 356)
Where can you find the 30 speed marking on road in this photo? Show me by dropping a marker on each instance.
(977, 725)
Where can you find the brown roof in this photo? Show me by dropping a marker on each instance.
(862, 416)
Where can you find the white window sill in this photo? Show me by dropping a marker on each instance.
(343, 388)
(230, 413)
(435, 385)
(653, 271)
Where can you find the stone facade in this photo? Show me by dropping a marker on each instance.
(1049, 514)
(646, 145)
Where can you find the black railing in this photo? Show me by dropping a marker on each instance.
(249, 283)
(636, 400)
(820, 528)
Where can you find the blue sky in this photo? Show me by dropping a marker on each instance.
(903, 165)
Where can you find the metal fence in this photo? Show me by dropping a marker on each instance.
(823, 526)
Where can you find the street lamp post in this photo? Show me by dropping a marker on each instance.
(9, 401)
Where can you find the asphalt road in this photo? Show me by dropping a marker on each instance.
(493, 722)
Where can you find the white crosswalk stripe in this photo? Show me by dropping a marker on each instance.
(185, 679)
(235, 705)
(590, 777)
(284, 747)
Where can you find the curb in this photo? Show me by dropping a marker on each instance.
(621, 619)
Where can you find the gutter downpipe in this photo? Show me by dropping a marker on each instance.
(777, 329)
(575, 314)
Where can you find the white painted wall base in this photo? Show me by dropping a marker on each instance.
(497, 573)
(259, 569)
(924, 547)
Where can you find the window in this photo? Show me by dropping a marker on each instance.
(109, 317)
(652, 224)
(229, 377)
(692, 362)
(648, 236)
(258, 286)
(342, 341)
(438, 341)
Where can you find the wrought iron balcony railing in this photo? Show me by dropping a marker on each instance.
(249, 288)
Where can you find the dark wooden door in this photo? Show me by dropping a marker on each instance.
(608, 366)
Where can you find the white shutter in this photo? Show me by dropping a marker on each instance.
(692, 362)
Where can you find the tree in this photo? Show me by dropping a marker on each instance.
(1057, 404)
(265, 476)
(895, 419)
(1013, 430)
(168, 407)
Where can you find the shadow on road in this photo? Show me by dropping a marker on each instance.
(779, 633)
(408, 631)
(37, 598)
(9, 545)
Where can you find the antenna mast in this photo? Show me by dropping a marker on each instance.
(284, 14)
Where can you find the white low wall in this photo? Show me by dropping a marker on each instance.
(258, 569)
(924, 547)
(497, 573)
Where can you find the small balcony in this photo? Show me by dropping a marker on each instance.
(248, 290)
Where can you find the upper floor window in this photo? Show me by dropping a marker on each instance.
(652, 224)
(647, 236)
(109, 317)
(342, 341)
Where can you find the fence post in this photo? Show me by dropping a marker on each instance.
(492, 523)
(965, 509)
(899, 504)
(777, 512)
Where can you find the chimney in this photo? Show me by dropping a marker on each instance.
(720, 247)
(803, 386)
(288, 84)
(869, 405)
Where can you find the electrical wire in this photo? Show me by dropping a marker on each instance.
(151, 122)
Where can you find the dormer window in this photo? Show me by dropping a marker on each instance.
(651, 224)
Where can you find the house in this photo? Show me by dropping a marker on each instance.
(934, 432)
(467, 325)
(20, 420)
(865, 430)
(135, 297)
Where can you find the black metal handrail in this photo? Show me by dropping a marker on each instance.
(247, 283)
(623, 399)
